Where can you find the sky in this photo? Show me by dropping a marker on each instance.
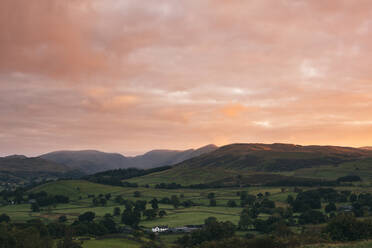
(129, 76)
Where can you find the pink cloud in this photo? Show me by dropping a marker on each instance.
(165, 74)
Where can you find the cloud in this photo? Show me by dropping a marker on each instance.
(134, 75)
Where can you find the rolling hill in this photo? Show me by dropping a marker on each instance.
(268, 161)
(18, 168)
(90, 161)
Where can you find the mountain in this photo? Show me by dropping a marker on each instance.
(90, 161)
(19, 168)
(156, 158)
(260, 160)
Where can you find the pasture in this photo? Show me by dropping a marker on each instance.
(80, 202)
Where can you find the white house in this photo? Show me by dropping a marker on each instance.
(159, 229)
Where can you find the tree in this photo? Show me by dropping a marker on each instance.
(103, 201)
(119, 199)
(150, 214)
(347, 228)
(67, 241)
(131, 217)
(62, 219)
(266, 203)
(330, 207)
(212, 202)
(137, 194)
(109, 223)
(175, 201)
(245, 221)
(231, 204)
(117, 211)
(212, 230)
(353, 197)
(246, 199)
(140, 205)
(312, 217)
(87, 216)
(162, 213)
(290, 199)
(4, 218)
(35, 207)
(108, 196)
(211, 195)
(154, 203)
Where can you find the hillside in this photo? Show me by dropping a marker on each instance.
(17, 163)
(17, 168)
(156, 158)
(249, 160)
(90, 161)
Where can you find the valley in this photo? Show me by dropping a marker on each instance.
(256, 188)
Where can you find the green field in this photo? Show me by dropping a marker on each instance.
(363, 244)
(111, 243)
(78, 191)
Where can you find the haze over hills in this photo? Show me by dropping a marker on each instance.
(258, 159)
(90, 161)
(87, 161)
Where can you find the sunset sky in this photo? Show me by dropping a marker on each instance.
(133, 75)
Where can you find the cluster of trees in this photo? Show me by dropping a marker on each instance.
(350, 178)
(42, 199)
(116, 177)
(134, 210)
(17, 196)
(302, 182)
(168, 186)
(86, 225)
(216, 234)
(101, 200)
(35, 234)
(212, 230)
(176, 201)
(360, 204)
(345, 227)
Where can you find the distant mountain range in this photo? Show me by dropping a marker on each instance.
(254, 162)
(21, 169)
(90, 161)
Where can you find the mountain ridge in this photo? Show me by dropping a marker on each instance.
(251, 159)
(92, 161)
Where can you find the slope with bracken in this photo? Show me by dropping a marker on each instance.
(266, 161)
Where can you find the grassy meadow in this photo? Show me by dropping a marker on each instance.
(80, 202)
